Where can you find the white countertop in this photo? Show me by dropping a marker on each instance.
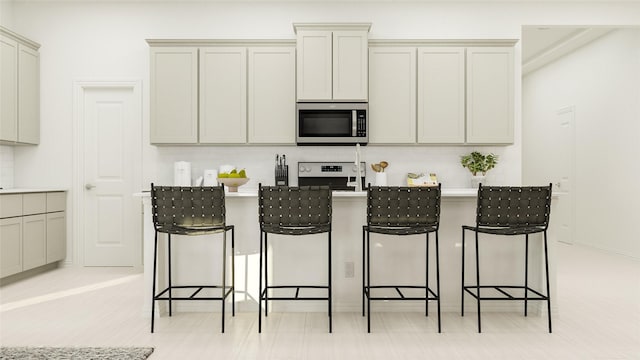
(447, 193)
(23, 191)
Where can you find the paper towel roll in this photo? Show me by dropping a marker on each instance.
(210, 177)
(182, 173)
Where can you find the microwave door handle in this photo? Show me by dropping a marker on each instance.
(354, 123)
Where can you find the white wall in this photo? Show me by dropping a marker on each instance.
(105, 41)
(602, 82)
(6, 167)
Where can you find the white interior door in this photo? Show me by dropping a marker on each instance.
(111, 128)
(565, 174)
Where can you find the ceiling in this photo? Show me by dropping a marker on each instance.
(542, 45)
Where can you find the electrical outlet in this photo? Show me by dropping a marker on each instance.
(349, 269)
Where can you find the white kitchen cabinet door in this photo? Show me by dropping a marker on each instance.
(223, 95)
(314, 65)
(490, 95)
(174, 95)
(350, 65)
(8, 89)
(272, 95)
(28, 95)
(56, 236)
(10, 246)
(392, 95)
(34, 241)
(441, 95)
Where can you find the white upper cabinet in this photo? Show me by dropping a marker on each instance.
(19, 89)
(441, 95)
(332, 62)
(490, 95)
(392, 95)
(314, 63)
(174, 95)
(350, 70)
(223, 95)
(28, 95)
(222, 92)
(8, 89)
(272, 94)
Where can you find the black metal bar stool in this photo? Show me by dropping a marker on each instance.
(296, 211)
(510, 211)
(401, 211)
(191, 211)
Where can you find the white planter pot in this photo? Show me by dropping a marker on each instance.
(476, 180)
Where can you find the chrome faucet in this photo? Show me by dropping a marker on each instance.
(357, 184)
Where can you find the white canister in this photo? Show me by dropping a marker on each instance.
(210, 177)
(381, 179)
(182, 173)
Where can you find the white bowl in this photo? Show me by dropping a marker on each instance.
(233, 183)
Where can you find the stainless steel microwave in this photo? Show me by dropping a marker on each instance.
(332, 123)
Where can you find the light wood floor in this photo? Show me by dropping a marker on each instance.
(598, 318)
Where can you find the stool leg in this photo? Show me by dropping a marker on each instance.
(153, 286)
(368, 282)
(329, 286)
(233, 273)
(266, 276)
(170, 296)
(462, 283)
(363, 273)
(260, 288)
(426, 302)
(478, 281)
(224, 274)
(526, 273)
(438, 281)
(546, 264)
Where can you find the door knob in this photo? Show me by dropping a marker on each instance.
(89, 186)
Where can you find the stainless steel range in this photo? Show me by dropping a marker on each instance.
(334, 174)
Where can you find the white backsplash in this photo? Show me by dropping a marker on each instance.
(259, 162)
(6, 167)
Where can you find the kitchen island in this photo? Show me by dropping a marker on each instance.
(303, 259)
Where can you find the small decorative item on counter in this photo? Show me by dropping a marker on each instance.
(379, 167)
(233, 179)
(381, 176)
(478, 164)
(422, 179)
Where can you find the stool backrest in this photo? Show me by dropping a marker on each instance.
(513, 206)
(294, 206)
(403, 206)
(187, 206)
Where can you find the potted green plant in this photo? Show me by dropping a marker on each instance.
(478, 164)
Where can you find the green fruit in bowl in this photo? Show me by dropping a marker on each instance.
(223, 175)
(234, 175)
(234, 171)
(242, 173)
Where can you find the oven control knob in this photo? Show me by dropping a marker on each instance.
(354, 169)
(301, 168)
